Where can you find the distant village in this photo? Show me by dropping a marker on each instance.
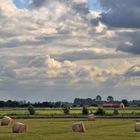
(98, 102)
(110, 102)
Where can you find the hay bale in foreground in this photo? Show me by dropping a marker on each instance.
(6, 121)
(137, 127)
(19, 128)
(78, 127)
(91, 117)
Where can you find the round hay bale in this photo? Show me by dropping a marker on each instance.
(6, 121)
(78, 127)
(19, 128)
(137, 127)
(91, 117)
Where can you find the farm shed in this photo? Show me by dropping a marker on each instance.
(113, 105)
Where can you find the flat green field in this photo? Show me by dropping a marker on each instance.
(46, 111)
(60, 129)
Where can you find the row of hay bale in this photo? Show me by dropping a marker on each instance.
(17, 127)
(80, 127)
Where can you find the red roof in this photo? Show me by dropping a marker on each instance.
(112, 104)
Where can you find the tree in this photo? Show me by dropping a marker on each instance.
(66, 109)
(81, 102)
(125, 102)
(100, 111)
(85, 111)
(58, 104)
(116, 112)
(110, 99)
(2, 104)
(31, 110)
(98, 98)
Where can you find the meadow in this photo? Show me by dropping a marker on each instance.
(53, 111)
(52, 129)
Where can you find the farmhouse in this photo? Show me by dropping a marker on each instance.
(113, 105)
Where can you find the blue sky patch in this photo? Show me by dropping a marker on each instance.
(21, 4)
(24, 4)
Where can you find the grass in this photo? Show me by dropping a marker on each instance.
(52, 129)
(46, 111)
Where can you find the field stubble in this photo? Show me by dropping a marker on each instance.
(52, 129)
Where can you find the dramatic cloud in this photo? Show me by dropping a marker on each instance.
(120, 13)
(133, 46)
(123, 14)
(133, 72)
(87, 53)
(36, 3)
(77, 5)
(62, 50)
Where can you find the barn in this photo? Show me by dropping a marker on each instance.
(113, 105)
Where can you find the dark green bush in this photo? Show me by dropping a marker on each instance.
(85, 111)
(100, 111)
(66, 110)
(31, 110)
(116, 112)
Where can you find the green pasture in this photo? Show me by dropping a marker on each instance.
(48, 111)
(53, 129)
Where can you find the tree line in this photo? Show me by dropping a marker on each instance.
(11, 103)
(76, 103)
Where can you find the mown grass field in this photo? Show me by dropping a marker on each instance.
(46, 111)
(53, 129)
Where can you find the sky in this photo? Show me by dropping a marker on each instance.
(64, 49)
(21, 4)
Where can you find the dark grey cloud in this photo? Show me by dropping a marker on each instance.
(6, 72)
(13, 43)
(79, 7)
(121, 13)
(133, 46)
(7, 34)
(38, 3)
(38, 61)
(85, 54)
(133, 72)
